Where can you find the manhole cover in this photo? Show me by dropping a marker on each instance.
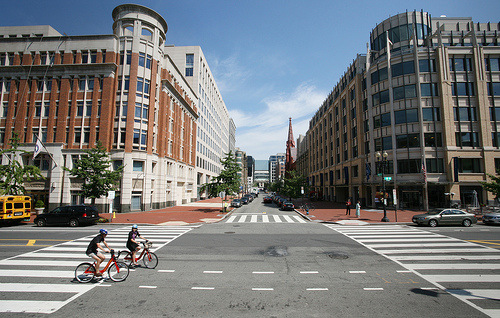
(229, 232)
(277, 251)
(337, 255)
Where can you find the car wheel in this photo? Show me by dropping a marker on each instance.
(41, 222)
(73, 222)
(433, 223)
(466, 223)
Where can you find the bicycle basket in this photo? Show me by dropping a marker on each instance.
(148, 244)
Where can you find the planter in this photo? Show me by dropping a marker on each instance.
(39, 211)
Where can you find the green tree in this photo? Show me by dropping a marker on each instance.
(493, 186)
(292, 185)
(227, 181)
(13, 175)
(94, 169)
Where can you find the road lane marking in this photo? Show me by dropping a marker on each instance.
(357, 272)
(316, 289)
(31, 243)
(262, 289)
(309, 272)
(262, 272)
(372, 289)
(166, 271)
(253, 219)
(203, 288)
(149, 287)
(212, 272)
(265, 218)
(277, 219)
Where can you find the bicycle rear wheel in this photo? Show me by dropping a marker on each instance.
(118, 271)
(125, 257)
(84, 272)
(150, 260)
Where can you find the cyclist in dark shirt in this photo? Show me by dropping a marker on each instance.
(92, 249)
(132, 243)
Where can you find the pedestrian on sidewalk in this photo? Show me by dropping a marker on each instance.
(348, 207)
(358, 209)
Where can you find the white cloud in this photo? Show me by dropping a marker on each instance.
(265, 133)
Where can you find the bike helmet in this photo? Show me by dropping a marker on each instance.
(134, 226)
(103, 231)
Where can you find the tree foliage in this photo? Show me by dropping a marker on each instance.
(94, 169)
(13, 175)
(227, 181)
(292, 185)
(493, 186)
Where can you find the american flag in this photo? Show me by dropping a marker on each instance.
(425, 173)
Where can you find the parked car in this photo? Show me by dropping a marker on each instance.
(249, 197)
(445, 217)
(244, 200)
(491, 218)
(72, 215)
(236, 203)
(268, 200)
(287, 206)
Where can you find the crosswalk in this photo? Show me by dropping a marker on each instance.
(264, 218)
(447, 262)
(49, 272)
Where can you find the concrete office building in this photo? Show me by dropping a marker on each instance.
(261, 173)
(241, 160)
(431, 103)
(121, 88)
(214, 134)
(274, 166)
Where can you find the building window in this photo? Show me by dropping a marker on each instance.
(497, 165)
(434, 165)
(463, 89)
(142, 59)
(469, 165)
(406, 116)
(409, 166)
(460, 64)
(149, 60)
(467, 139)
(408, 141)
(429, 89)
(138, 166)
(425, 66)
(433, 140)
(431, 114)
(465, 114)
(189, 64)
(402, 92)
(493, 89)
(403, 68)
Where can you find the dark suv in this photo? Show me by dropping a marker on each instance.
(72, 215)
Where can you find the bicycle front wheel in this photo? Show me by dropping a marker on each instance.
(118, 271)
(84, 272)
(125, 257)
(150, 260)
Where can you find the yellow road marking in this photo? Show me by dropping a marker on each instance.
(31, 243)
(486, 242)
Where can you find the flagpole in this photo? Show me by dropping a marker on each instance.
(48, 152)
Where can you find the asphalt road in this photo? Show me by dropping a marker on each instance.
(250, 269)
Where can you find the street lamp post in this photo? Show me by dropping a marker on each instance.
(382, 162)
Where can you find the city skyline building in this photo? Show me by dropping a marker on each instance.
(427, 93)
(215, 130)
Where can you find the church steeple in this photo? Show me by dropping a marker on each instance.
(290, 149)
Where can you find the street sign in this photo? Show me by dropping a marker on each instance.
(222, 194)
(387, 178)
(111, 195)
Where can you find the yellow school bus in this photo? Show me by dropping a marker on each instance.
(15, 208)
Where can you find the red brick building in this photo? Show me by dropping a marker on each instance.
(121, 89)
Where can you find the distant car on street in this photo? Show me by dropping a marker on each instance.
(445, 217)
(287, 206)
(72, 215)
(491, 218)
(268, 200)
(244, 200)
(236, 203)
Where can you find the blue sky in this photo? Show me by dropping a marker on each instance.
(272, 59)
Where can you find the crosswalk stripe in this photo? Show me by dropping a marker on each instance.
(437, 239)
(422, 245)
(299, 219)
(265, 219)
(470, 278)
(277, 219)
(452, 266)
(253, 219)
(445, 257)
(36, 273)
(242, 219)
(44, 288)
(231, 219)
(288, 219)
(30, 306)
(17, 262)
(438, 251)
